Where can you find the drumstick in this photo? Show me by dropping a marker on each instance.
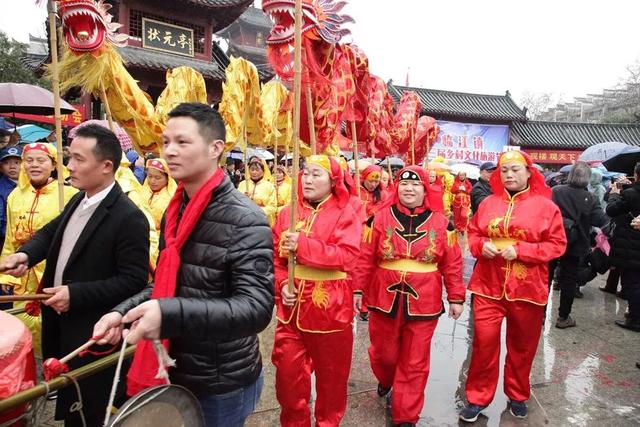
(77, 351)
(24, 297)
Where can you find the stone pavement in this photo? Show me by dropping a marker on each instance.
(582, 376)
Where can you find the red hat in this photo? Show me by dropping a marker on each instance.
(413, 173)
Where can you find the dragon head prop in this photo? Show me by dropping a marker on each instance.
(321, 19)
(87, 25)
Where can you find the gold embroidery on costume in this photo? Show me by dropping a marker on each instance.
(320, 296)
(493, 229)
(520, 270)
(387, 247)
(430, 252)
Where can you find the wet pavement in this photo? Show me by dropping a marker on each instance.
(582, 376)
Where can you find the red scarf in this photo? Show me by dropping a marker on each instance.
(145, 364)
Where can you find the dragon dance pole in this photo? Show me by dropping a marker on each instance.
(107, 109)
(354, 137)
(389, 169)
(297, 89)
(55, 83)
(312, 125)
(413, 147)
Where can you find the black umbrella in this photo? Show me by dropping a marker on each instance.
(29, 99)
(624, 161)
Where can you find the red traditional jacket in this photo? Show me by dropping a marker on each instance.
(409, 256)
(371, 206)
(329, 242)
(533, 225)
(461, 191)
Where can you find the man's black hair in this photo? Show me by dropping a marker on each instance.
(209, 121)
(107, 145)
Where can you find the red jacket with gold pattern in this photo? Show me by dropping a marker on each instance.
(533, 225)
(328, 243)
(409, 255)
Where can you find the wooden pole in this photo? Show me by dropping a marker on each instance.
(297, 89)
(107, 109)
(55, 83)
(389, 168)
(275, 168)
(354, 137)
(312, 125)
(413, 147)
(24, 297)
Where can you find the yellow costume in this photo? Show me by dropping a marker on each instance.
(283, 190)
(132, 188)
(28, 210)
(157, 201)
(263, 193)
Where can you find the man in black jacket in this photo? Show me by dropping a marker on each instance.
(481, 190)
(97, 253)
(624, 206)
(224, 292)
(580, 211)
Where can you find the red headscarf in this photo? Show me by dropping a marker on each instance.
(536, 181)
(332, 166)
(371, 169)
(414, 173)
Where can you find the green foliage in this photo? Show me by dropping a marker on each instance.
(11, 67)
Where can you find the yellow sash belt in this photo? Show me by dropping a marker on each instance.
(304, 272)
(503, 242)
(409, 265)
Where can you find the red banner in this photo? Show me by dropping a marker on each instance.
(67, 119)
(556, 157)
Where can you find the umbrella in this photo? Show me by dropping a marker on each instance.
(125, 141)
(602, 152)
(32, 133)
(474, 162)
(566, 169)
(473, 172)
(29, 99)
(624, 161)
(392, 161)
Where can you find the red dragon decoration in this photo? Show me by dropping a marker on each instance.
(334, 72)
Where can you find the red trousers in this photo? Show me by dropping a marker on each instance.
(295, 355)
(400, 354)
(524, 325)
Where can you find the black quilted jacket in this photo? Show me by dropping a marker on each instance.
(224, 297)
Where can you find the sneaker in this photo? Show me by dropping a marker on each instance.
(555, 285)
(471, 412)
(364, 317)
(607, 290)
(518, 409)
(567, 322)
(406, 425)
(578, 293)
(629, 323)
(382, 390)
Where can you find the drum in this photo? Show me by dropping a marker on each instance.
(166, 405)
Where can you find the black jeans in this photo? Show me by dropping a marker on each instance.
(630, 279)
(568, 280)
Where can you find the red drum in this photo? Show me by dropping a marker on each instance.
(17, 364)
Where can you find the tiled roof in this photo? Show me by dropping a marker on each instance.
(572, 135)
(463, 105)
(256, 17)
(151, 60)
(220, 3)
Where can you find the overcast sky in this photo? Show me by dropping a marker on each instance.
(566, 47)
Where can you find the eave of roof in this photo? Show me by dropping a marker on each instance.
(571, 135)
(463, 105)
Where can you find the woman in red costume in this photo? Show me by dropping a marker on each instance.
(372, 193)
(410, 255)
(314, 321)
(461, 205)
(514, 234)
(435, 193)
